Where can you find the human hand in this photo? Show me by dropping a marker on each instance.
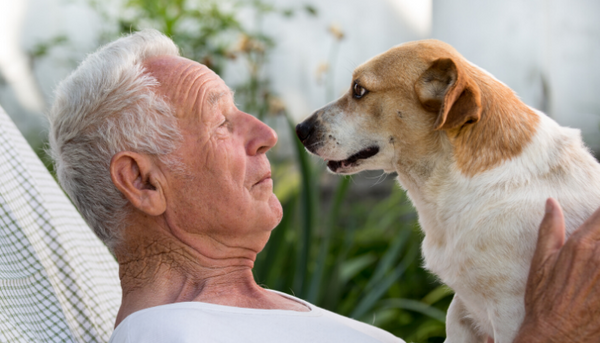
(562, 298)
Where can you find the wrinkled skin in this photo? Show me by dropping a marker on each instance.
(224, 156)
(562, 301)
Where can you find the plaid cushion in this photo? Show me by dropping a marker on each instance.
(58, 282)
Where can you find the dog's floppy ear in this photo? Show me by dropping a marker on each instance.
(445, 89)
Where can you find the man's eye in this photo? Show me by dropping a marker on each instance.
(358, 90)
(225, 124)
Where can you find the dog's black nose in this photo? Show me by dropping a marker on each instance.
(303, 130)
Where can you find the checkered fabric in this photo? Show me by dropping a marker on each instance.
(58, 282)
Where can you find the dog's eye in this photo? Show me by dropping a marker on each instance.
(358, 90)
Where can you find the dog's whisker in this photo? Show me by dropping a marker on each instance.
(382, 178)
(314, 144)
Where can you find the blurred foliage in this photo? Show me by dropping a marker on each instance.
(212, 33)
(358, 256)
(42, 49)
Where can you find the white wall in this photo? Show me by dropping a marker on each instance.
(546, 50)
(369, 27)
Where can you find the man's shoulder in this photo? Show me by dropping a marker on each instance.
(372, 331)
(201, 322)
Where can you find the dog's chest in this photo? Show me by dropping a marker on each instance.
(479, 243)
(479, 262)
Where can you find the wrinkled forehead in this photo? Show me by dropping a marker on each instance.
(188, 85)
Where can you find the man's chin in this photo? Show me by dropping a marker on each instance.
(276, 208)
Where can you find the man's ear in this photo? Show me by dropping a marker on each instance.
(140, 180)
(445, 89)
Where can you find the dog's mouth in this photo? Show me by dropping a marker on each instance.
(351, 161)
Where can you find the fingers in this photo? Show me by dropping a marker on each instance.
(551, 236)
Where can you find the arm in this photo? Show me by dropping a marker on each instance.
(562, 299)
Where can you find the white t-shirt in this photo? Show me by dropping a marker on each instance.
(195, 322)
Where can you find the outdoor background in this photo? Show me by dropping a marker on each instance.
(350, 245)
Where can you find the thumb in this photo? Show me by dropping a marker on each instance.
(551, 235)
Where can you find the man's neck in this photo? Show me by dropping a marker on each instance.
(158, 269)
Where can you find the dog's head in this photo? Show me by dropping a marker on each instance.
(397, 105)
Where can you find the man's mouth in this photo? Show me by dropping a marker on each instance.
(351, 161)
(265, 178)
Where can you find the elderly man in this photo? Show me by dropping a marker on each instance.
(175, 180)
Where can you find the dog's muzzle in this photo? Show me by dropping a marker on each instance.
(312, 138)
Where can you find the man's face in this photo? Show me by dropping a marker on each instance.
(227, 191)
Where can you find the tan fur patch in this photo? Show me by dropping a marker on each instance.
(506, 126)
(486, 285)
(502, 128)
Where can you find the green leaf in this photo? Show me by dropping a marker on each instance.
(309, 205)
(272, 259)
(415, 305)
(367, 303)
(389, 258)
(354, 266)
(324, 250)
(437, 294)
(310, 9)
(288, 12)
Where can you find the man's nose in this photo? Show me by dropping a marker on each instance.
(262, 137)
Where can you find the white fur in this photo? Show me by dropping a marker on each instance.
(489, 223)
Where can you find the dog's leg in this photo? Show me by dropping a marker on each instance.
(507, 318)
(460, 327)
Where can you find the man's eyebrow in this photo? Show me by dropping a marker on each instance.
(215, 96)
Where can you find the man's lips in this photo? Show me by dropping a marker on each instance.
(266, 178)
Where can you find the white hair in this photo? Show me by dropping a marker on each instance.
(105, 106)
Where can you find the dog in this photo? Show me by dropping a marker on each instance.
(477, 163)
